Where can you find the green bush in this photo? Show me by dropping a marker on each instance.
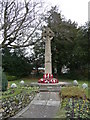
(4, 82)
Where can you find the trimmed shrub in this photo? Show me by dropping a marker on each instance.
(4, 82)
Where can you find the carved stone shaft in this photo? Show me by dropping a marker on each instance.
(48, 35)
(48, 64)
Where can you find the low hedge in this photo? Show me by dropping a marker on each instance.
(4, 82)
(11, 78)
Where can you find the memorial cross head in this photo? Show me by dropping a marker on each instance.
(47, 32)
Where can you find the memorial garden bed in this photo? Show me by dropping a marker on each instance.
(74, 103)
(15, 99)
(76, 108)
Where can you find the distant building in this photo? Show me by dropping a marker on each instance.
(40, 70)
(65, 69)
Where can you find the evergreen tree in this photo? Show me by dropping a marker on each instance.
(69, 45)
(16, 63)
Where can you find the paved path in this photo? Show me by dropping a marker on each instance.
(44, 105)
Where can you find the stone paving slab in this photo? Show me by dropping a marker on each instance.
(44, 105)
(48, 96)
(35, 111)
(48, 103)
(39, 102)
(54, 96)
(42, 96)
(53, 103)
(40, 112)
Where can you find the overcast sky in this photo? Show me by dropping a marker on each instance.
(76, 10)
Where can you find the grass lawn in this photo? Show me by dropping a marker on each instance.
(27, 81)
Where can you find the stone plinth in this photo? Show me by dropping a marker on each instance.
(56, 87)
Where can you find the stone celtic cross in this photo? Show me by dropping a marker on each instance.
(48, 35)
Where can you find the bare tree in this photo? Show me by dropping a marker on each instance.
(18, 22)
